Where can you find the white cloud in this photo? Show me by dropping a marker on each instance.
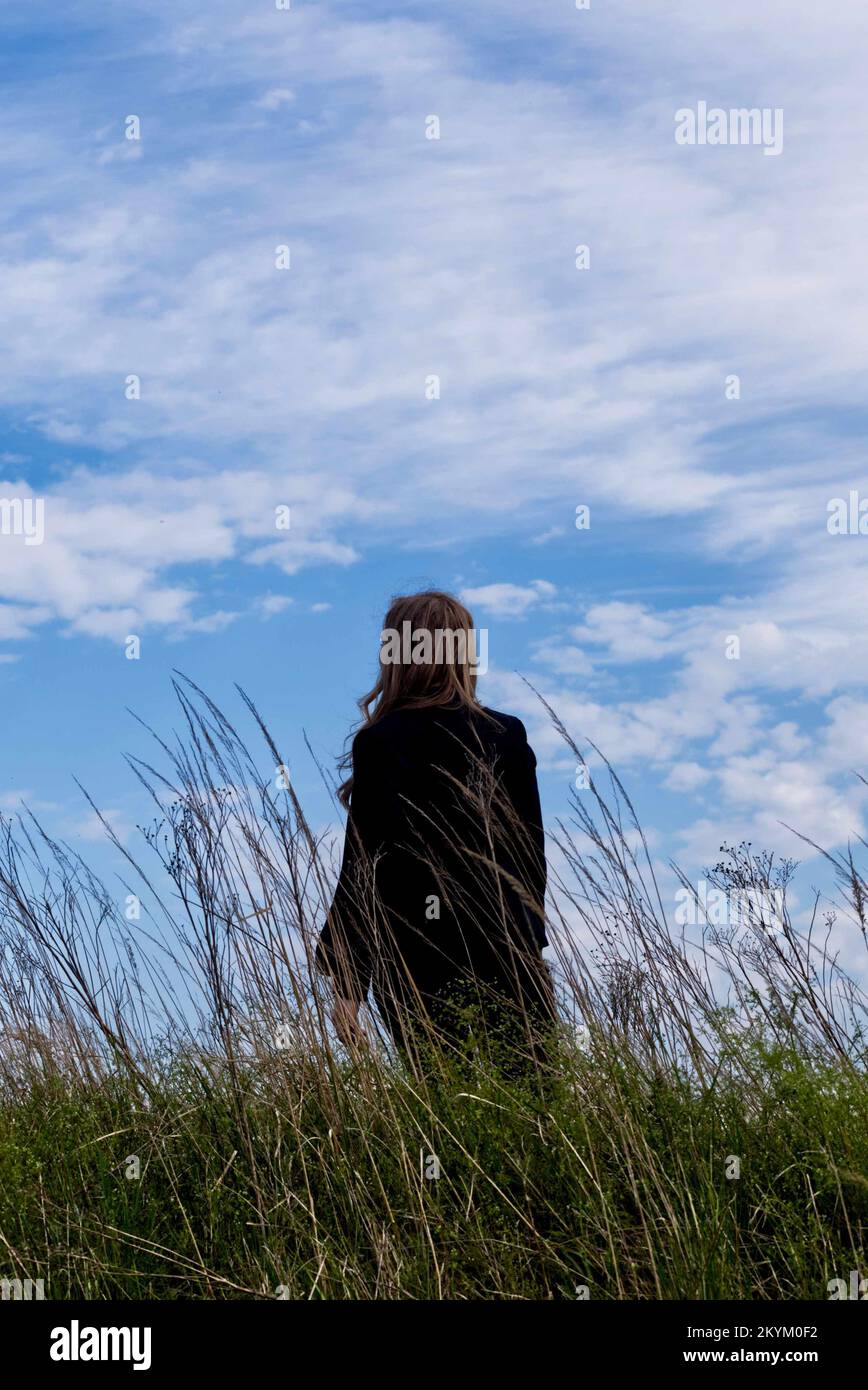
(686, 777)
(552, 533)
(627, 631)
(89, 827)
(556, 385)
(509, 600)
(276, 97)
(270, 604)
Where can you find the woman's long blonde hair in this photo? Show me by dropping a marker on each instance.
(422, 684)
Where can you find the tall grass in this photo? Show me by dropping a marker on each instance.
(177, 1119)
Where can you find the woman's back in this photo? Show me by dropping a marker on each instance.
(445, 849)
(442, 886)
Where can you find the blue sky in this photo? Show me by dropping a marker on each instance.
(412, 258)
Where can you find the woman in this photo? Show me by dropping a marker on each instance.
(439, 908)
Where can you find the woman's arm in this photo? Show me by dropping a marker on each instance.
(522, 789)
(344, 950)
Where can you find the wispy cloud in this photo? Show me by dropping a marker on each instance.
(426, 368)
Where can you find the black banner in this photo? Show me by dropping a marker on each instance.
(233, 1340)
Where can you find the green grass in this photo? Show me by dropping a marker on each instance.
(615, 1180)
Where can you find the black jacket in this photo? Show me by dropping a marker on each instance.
(443, 874)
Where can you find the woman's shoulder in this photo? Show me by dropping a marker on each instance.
(506, 731)
(497, 725)
(510, 722)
